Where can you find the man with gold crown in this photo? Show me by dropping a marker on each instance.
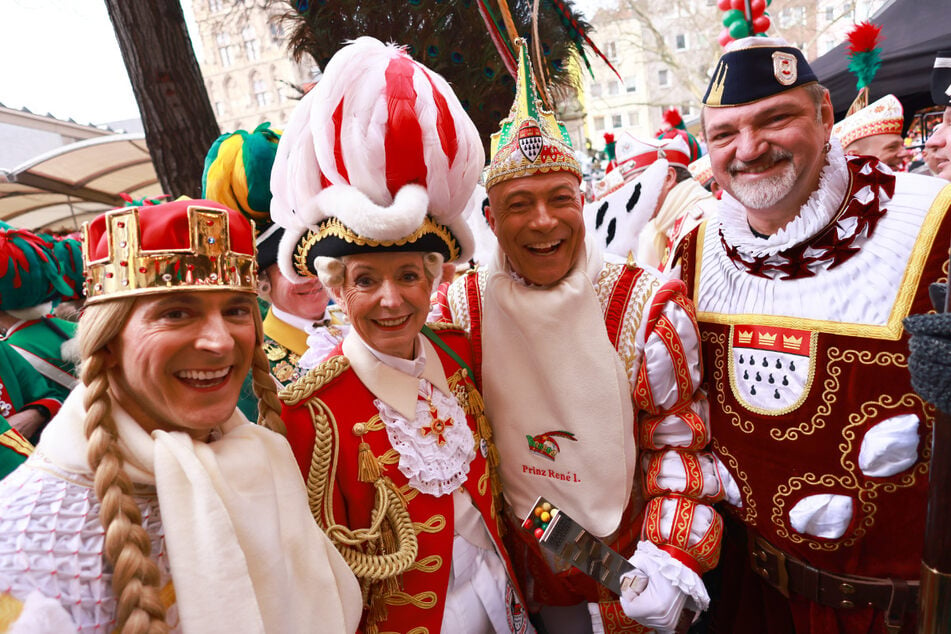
(371, 179)
(603, 357)
(801, 284)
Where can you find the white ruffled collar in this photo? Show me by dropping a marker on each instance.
(436, 446)
(817, 212)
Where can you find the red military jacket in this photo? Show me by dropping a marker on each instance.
(331, 419)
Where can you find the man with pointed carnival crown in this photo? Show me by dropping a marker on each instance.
(370, 182)
(801, 284)
(151, 504)
(603, 357)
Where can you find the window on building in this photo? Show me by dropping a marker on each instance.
(634, 118)
(614, 88)
(261, 94)
(251, 47)
(686, 109)
(277, 32)
(663, 77)
(616, 121)
(599, 123)
(219, 108)
(630, 84)
(224, 49)
(595, 90)
(830, 14)
(680, 41)
(799, 16)
(610, 51)
(214, 6)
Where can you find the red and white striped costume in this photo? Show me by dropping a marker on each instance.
(651, 324)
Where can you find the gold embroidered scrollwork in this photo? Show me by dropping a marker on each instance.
(866, 490)
(748, 512)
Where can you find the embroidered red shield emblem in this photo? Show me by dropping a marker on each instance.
(785, 68)
(530, 140)
(771, 367)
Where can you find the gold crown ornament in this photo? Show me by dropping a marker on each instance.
(530, 140)
(191, 245)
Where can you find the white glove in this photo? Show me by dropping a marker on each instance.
(658, 604)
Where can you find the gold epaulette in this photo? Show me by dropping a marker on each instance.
(316, 378)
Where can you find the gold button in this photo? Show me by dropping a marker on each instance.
(846, 604)
(846, 588)
(759, 554)
(359, 429)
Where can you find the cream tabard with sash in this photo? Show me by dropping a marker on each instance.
(548, 366)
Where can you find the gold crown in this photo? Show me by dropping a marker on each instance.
(128, 270)
(792, 343)
(766, 339)
(745, 337)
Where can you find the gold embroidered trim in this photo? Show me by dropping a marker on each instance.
(433, 525)
(315, 379)
(333, 228)
(866, 489)
(432, 563)
(442, 325)
(731, 367)
(424, 600)
(16, 442)
(892, 330)
(409, 493)
(831, 386)
(748, 512)
(644, 288)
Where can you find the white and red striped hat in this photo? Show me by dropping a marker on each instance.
(380, 155)
(634, 154)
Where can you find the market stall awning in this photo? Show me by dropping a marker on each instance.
(73, 183)
(912, 32)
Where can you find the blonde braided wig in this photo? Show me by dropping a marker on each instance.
(127, 546)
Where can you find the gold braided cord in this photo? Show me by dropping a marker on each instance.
(424, 600)
(314, 380)
(322, 463)
(387, 505)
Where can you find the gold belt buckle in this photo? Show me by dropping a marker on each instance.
(761, 552)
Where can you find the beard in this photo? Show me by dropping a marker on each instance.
(765, 192)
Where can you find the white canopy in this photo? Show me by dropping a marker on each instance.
(75, 182)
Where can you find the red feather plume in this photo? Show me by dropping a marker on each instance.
(863, 37)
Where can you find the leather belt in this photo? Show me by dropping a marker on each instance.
(894, 597)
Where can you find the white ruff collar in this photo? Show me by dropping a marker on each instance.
(813, 216)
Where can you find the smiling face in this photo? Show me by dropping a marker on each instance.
(179, 362)
(386, 296)
(307, 300)
(768, 154)
(888, 148)
(539, 224)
